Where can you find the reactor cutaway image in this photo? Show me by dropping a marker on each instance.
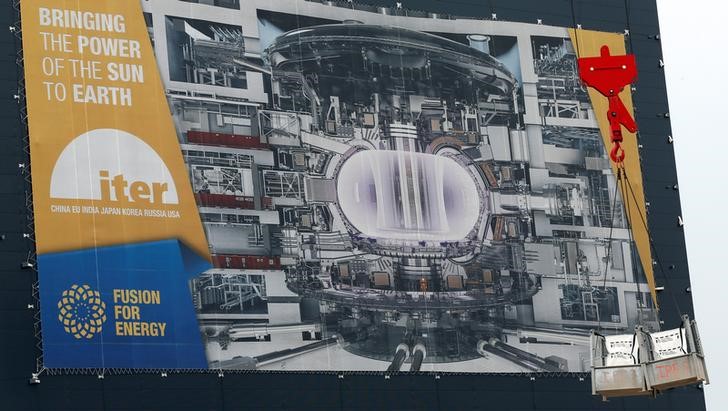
(393, 193)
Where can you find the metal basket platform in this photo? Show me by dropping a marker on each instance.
(646, 363)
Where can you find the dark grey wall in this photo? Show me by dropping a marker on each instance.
(280, 391)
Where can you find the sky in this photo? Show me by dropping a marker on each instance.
(696, 72)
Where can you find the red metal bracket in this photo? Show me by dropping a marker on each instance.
(609, 75)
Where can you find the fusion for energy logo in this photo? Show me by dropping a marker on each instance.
(81, 311)
(112, 165)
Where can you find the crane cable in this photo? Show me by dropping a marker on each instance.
(611, 231)
(627, 193)
(632, 246)
(657, 258)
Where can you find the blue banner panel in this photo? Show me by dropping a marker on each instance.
(121, 307)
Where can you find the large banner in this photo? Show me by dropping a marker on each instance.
(291, 185)
(118, 232)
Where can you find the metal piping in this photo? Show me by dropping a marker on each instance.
(418, 355)
(400, 356)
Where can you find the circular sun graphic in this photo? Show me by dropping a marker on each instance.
(81, 311)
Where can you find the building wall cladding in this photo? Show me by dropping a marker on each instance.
(324, 391)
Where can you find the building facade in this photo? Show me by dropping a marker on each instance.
(317, 137)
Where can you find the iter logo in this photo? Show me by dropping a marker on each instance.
(112, 165)
(81, 311)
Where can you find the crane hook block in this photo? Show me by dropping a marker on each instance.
(609, 75)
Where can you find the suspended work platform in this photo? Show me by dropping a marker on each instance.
(646, 363)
